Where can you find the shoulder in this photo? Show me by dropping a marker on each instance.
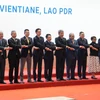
(9, 39)
(41, 37)
(30, 38)
(22, 38)
(4, 39)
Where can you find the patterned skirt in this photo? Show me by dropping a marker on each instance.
(93, 64)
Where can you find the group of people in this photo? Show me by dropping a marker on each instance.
(69, 51)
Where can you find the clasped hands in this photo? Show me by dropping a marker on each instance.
(93, 48)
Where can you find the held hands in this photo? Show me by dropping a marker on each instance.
(82, 47)
(0, 51)
(47, 49)
(93, 48)
(70, 48)
(58, 48)
(8, 48)
(24, 46)
(36, 48)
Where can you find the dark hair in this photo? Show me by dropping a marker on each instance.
(93, 37)
(26, 30)
(37, 30)
(47, 35)
(60, 31)
(81, 32)
(12, 32)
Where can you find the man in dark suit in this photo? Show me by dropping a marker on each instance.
(60, 54)
(82, 56)
(48, 58)
(13, 57)
(26, 54)
(38, 42)
(3, 48)
(71, 56)
(99, 49)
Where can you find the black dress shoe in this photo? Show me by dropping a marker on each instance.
(68, 79)
(17, 82)
(47, 80)
(93, 77)
(62, 79)
(11, 82)
(85, 78)
(35, 81)
(73, 79)
(51, 80)
(2, 83)
(40, 81)
(80, 78)
(58, 79)
(29, 81)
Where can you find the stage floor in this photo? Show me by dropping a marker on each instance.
(80, 92)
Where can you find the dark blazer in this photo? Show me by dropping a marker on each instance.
(70, 53)
(84, 42)
(99, 48)
(4, 44)
(49, 54)
(15, 44)
(38, 42)
(94, 52)
(24, 51)
(61, 42)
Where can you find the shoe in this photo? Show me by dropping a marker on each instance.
(58, 79)
(29, 81)
(62, 79)
(35, 81)
(68, 79)
(93, 77)
(2, 83)
(40, 81)
(85, 78)
(17, 82)
(80, 78)
(51, 80)
(73, 79)
(47, 80)
(11, 82)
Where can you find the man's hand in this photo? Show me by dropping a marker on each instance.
(82, 47)
(24, 46)
(36, 48)
(0, 50)
(10, 48)
(7, 48)
(58, 48)
(48, 49)
(71, 48)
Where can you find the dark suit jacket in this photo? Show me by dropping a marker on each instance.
(15, 44)
(49, 54)
(70, 53)
(24, 51)
(4, 44)
(99, 47)
(38, 42)
(84, 42)
(61, 42)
